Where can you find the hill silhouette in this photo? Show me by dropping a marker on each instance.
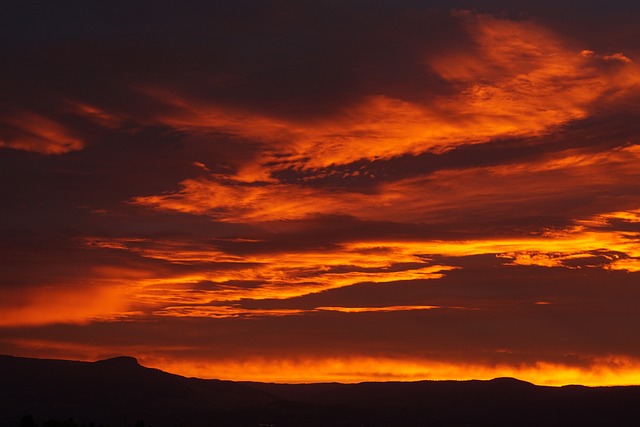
(120, 392)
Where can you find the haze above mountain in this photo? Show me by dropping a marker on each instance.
(120, 392)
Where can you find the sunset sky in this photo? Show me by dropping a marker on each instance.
(300, 191)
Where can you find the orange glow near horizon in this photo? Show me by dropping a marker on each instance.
(609, 370)
(606, 372)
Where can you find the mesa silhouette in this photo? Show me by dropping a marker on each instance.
(120, 392)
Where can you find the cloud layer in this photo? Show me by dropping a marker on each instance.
(337, 191)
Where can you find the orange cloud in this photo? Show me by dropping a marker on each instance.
(246, 202)
(618, 56)
(436, 197)
(48, 305)
(222, 311)
(632, 216)
(549, 250)
(536, 187)
(277, 276)
(33, 132)
(527, 76)
(210, 292)
(380, 309)
(518, 80)
(95, 114)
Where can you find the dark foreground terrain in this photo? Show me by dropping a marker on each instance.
(120, 392)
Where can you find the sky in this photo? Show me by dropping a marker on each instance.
(328, 190)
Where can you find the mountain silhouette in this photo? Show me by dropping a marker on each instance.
(121, 361)
(120, 392)
(114, 392)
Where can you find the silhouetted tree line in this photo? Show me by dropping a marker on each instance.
(28, 421)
